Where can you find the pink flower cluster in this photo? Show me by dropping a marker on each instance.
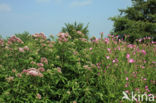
(143, 52)
(147, 89)
(63, 37)
(142, 39)
(129, 59)
(9, 79)
(131, 46)
(33, 72)
(80, 33)
(25, 48)
(39, 35)
(44, 60)
(106, 40)
(1, 42)
(14, 39)
(95, 40)
(83, 39)
(87, 67)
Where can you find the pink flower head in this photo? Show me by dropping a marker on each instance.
(44, 60)
(74, 102)
(40, 64)
(38, 96)
(21, 50)
(33, 72)
(63, 37)
(146, 87)
(90, 48)
(41, 69)
(143, 51)
(26, 48)
(109, 50)
(39, 35)
(14, 39)
(107, 57)
(126, 85)
(80, 33)
(127, 91)
(106, 40)
(128, 56)
(10, 79)
(126, 78)
(113, 61)
(59, 70)
(1, 42)
(131, 61)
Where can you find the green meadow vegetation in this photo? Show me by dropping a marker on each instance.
(73, 68)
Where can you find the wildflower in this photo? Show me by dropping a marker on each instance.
(59, 70)
(142, 67)
(107, 57)
(109, 50)
(1, 42)
(126, 85)
(19, 75)
(26, 48)
(83, 39)
(41, 69)
(94, 40)
(146, 87)
(14, 39)
(33, 72)
(21, 50)
(33, 62)
(154, 62)
(113, 61)
(90, 48)
(10, 79)
(63, 37)
(127, 91)
(131, 61)
(106, 40)
(40, 64)
(40, 35)
(87, 67)
(143, 51)
(128, 56)
(44, 60)
(127, 78)
(80, 33)
(74, 102)
(38, 96)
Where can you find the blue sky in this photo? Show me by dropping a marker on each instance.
(49, 16)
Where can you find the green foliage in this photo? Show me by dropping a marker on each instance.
(138, 21)
(73, 30)
(25, 36)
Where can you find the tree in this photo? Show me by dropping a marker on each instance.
(25, 36)
(75, 29)
(138, 21)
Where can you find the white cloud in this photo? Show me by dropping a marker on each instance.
(4, 8)
(47, 1)
(78, 3)
(43, 1)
